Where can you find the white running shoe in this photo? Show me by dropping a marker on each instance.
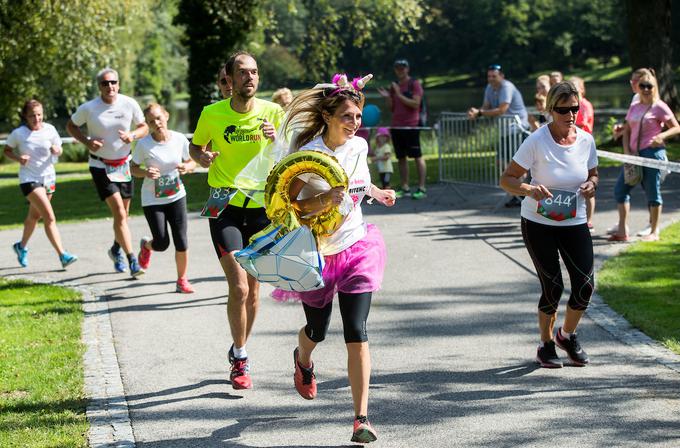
(646, 231)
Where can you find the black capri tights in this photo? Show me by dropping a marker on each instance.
(354, 310)
(573, 243)
(159, 216)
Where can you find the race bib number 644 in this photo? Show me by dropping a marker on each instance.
(560, 207)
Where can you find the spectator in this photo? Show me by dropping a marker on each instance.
(542, 87)
(283, 97)
(404, 98)
(643, 136)
(501, 97)
(555, 77)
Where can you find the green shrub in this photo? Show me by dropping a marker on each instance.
(74, 152)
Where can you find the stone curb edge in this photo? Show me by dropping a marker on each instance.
(107, 408)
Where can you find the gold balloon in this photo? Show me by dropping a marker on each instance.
(277, 198)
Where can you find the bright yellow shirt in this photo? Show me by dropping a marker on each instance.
(237, 137)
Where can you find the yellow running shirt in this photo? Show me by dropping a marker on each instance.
(237, 137)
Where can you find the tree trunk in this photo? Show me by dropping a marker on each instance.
(650, 44)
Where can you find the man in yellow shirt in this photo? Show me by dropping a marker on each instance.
(238, 129)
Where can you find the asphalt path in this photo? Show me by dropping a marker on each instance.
(453, 336)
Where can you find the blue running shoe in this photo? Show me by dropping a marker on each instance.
(67, 259)
(118, 261)
(22, 254)
(135, 269)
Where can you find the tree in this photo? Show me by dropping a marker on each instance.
(50, 50)
(650, 43)
(214, 29)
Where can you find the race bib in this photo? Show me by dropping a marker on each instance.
(50, 186)
(560, 207)
(166, 186)
(119, 173)
(217, 202)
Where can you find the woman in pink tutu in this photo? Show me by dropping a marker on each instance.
(326, 119)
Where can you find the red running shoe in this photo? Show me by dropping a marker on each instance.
(240, 374)
(183, 286)
(305, 380)
(144, 257)
(363, 431)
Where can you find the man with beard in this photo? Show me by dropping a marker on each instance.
(238, 128)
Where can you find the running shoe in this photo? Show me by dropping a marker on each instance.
(240, 372)
(183, 286)
(400, 193)
(646, 231)
(363, 431)
(67, 259)
(305, 380)
(574, 351)
(546, 356)
(144, 256)
(118, 260)
(22, 254)
(419, 194)
(135, 269)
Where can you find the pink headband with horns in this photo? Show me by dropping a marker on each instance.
(340, 82)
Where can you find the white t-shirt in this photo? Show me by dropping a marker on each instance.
(352, 156)
(36, 144)
(556, 166)
(105, 120)
(164, 156)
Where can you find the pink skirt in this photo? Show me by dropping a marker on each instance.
(357, 269)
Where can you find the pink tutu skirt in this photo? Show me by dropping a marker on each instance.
(357, 269)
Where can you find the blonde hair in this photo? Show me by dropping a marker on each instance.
(580, 84)
(560, 92)
(151, 106)
(650, 78)
(642, 71)
(544, 80)
(278, 94)
(305, 117)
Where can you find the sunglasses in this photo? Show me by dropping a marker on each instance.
(644, 85)
(494, 67)
(223, 81)
(566, 110)
(106, 83)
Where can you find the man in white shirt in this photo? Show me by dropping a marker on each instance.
(113, 121)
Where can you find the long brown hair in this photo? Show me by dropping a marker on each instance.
(305, 114)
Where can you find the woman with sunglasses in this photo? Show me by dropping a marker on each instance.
(563, 163)
(642, 137)
(35, 145)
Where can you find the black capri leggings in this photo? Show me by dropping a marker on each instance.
(159, 216)
(354, 310)
(573, 243)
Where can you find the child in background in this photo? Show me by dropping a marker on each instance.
(383, 156)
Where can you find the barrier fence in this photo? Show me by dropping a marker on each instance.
(476, 151)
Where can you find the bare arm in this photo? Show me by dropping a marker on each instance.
(672, 128)
(512, 183)
(9, 153)
(140, 131)
(315, 204)
(201, 155)
(626, 138)
(92, 144)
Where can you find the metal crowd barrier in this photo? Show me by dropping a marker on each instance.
(476, 151)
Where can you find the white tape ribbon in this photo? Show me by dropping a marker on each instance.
(642, 161)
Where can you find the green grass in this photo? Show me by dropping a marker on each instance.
(41, 372)
(643, 285)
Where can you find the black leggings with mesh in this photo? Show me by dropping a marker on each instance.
(546, 244)
(354, 310)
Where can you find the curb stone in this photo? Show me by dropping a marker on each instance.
(107, 408)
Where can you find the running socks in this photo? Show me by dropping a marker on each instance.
(564, 334)
(240, 353)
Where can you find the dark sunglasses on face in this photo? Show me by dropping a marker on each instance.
(107, 83)
(644, 85)
(566, 110)
(223, 81)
